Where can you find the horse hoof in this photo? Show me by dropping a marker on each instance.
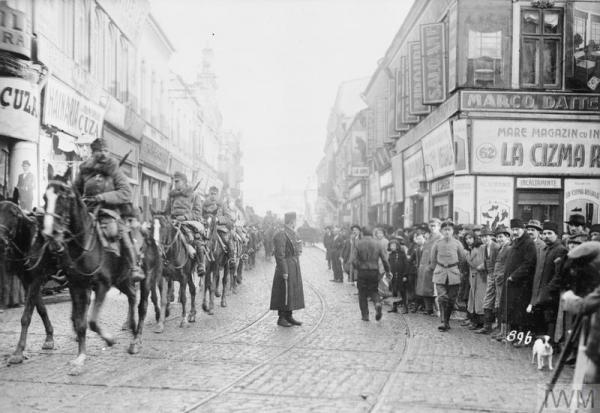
(235, 291)
(76, 370)
(217, 294)
(16, 359)
(134, 348)
(205, 308)
(192, 319)
(48, 345)
(223, 303)
(184, 324)
(160, 327)
(211, 312)
(110, 341)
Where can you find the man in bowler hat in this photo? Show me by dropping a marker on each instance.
(26, 185)
(287, 294)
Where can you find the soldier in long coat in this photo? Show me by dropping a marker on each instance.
(287, 293)
(425, 272)
(519, 271)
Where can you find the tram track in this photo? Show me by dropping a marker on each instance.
(258, 366)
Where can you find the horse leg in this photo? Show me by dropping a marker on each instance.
(192, 314)
(43, 312)
(101, 291)
(218, 280)
(32, 292)
(135, 345)
(213, 286)
(164, 302)
(153, 286)
(207, 286)
(225, 283)
(183, 299)
(81, 302)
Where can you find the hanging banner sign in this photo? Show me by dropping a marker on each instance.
(434, 68)
(67, 110)
(536, 147)
(494, 200)
(415, 74)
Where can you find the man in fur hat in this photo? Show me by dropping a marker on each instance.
(184, 205)
(287, 292)
(101, 181)
(215, 209)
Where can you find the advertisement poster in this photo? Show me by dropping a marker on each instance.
(438, 152)
(494, 200)
(582, 196)
(24, 174)
(413, 173)
(536, 147)
(464, 199)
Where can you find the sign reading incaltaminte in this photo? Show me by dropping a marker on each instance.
(535, 147)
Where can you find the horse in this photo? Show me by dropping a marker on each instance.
(216, 259)
(73, 235)
(237, 265)
(177, 266)
(21, 249)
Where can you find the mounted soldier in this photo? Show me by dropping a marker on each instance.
(101, 182)
(184, 205)
(213, 210)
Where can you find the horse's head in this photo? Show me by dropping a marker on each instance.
(161, 229)
(10, 214)
(61, 201)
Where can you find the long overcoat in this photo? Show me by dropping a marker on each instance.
(287, 250)
(520, 267)
(425, 271)
(477, 279)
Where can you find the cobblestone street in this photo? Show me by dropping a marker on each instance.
(240, 360)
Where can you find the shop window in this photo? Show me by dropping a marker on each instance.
(583, 46)
(442, 207)
(541, 48)
(542, 206)
(484, 46)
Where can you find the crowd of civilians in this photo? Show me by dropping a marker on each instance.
(506, 279)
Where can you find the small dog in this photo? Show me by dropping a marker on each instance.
(542, 349)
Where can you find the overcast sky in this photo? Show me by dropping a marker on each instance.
(278, 64)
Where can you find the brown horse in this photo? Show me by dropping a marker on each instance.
(21, 250)
(72, 233)
(178, 266)
(216, 259)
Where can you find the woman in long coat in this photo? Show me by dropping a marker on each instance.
(477, 283)
(287, 293)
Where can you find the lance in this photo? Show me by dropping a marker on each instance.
(125, 158)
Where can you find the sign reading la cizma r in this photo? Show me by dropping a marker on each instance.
(536, 148)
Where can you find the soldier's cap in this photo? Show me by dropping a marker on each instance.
(516, 223)
(551, 226)
(595, 228)
(587, 251)
(424, 227)
(180, 175)
(447, 224)
(576, 220)
(289, 217)
(213, 189)
(503, 229)
(535, 224)
(26, 163)
(99, 144)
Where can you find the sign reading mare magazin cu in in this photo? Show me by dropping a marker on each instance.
(535, 148)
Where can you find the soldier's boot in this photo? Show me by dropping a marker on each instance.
(201, 267)
(449, 309)
(282, 320)
(487, 324)
(290, 318)
(129, 253)
(231, 248)
(443, 326)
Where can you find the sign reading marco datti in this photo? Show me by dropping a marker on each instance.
(433, 64)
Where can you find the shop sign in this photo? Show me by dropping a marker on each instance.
(541, 183)
(355, 191)
(529, 102)
(385, 179)
(67, 110)
(15, 31)
(536, 147)
(434, 68)
(464, 199)
(413, 173)
(438, 152)
(398, 177)
(582, 196)
(404, 118)
(153, 154)
(461, 152)
(442, 185)
(415, 91)
(19, 108)
(494, 200)
(359, 171)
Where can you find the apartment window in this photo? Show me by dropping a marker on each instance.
(541, 48)
(583, 54)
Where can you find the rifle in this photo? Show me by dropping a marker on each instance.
(570, 344)
(122, 161)
(198, 184)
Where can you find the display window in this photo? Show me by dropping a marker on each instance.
(542, 206)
